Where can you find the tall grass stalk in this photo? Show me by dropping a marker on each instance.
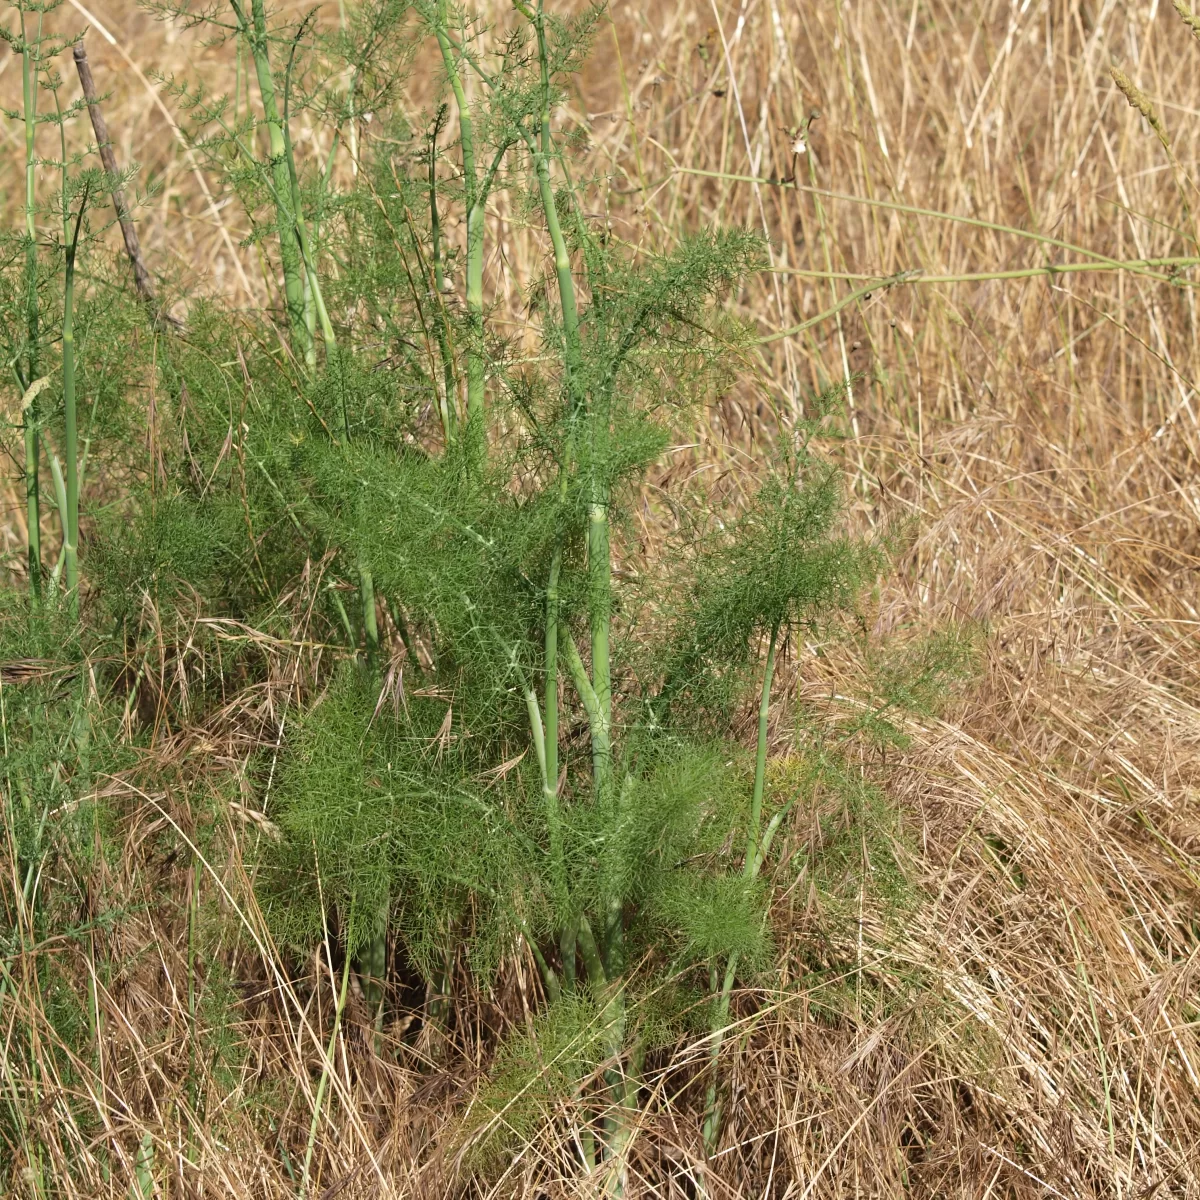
(323, 1083)
(30, 64)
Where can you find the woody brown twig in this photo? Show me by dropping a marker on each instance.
(141, 277)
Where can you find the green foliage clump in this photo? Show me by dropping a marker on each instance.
(182, 541)
(915, 680)
(532, 1072)
(780, 564)
(512, 744)
(373, 808)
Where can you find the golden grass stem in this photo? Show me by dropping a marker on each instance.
(326, 1068)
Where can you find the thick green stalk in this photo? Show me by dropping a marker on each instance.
(605, 962)
(590, 953)
(255, 32)
(599, 559)
(550, 777)
(755, 849)
(314, 293)
(570, 317)
(32, 411)
(622, 1123)
(598, 726)
(372, 966)
(598, 554)
(600, 595)
(719, 1023)
(314, 300)
(568, 943)
(562, 271)
(310, 325)
(442, 324)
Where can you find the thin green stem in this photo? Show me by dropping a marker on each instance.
(912, 210)
(366, 589)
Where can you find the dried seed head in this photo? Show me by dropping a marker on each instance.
(1139, 100)
(1190, 19)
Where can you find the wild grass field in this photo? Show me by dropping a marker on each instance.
(973, 298)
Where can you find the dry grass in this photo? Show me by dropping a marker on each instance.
(1030, 1028)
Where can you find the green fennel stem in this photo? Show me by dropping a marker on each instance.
(255, 32)
(448, 399)
(550, 778)
(598, 728)
(576, 934)
(605, 961)
(371, 963)
(314, 300)
(600, 589)
(541, 150)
